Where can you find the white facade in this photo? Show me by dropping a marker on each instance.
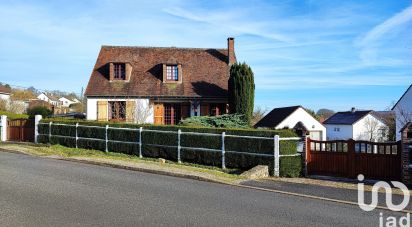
(140, 104)
(360, 130)
(5, 96)
(46, 98)
(403, 111)
(316, 129)
(66, 102)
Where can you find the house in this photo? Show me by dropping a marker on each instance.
(296, 118)
(159, 85)
(50, 99)
(67, 102)
(357, 125)
(403, 111)
(5, 92)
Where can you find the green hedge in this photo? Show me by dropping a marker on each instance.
(289, 166)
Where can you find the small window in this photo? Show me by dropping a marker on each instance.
(217, 109)
(172, 73)
(336, 129)
(117, 111)
(119, 71)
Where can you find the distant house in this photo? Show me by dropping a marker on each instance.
(50, 99)
(5, 92)
(403, 111)
(357, 125)
(160, 85)
(296, 118)
(67, 102)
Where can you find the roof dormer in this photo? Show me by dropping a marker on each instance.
(120, 71)
(172, 73)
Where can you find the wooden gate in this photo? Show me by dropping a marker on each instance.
(20, 130)
(349, 158)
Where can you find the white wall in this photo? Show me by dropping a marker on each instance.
(339, 132)
(65, 102)
(5, 96)
(43, 97)
(92, 107)
(308, 121)
(361, 132)
(404, 105)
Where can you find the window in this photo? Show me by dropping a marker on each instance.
(172, 114)
(336, 129)
(172, 73)
(217, 109)
(117, 111)
(119, 71)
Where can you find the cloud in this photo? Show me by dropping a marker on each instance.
(370, 42)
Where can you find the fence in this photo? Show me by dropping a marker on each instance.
(348, 158)
(178, 143)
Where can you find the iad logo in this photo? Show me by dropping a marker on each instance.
(388, 193)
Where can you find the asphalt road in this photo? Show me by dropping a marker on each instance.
(37, 191)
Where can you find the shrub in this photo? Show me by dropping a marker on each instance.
(39, 110)
(222, 121)
(290, 166)
(241, 87)
(14, 115)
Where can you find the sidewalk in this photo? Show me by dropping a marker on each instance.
(328, 192)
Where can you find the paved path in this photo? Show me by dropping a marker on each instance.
(37, 191)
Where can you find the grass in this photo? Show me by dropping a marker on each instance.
(14, 115)
(228, 175)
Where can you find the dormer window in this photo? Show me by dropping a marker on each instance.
(172, 73)
(119, 71)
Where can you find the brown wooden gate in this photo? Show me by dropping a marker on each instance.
(20, 130)
(349, 158)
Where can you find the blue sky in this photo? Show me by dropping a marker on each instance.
(319, 54)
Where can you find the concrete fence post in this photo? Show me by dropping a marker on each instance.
(140, 142)
(223, 151)
(276, 155)
(37, 120)
(3, 128)
(50, 133)
(107, 139)
(179, 132)
(77, 136)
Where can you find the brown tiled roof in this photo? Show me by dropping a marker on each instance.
(5, 90)
(205, 72)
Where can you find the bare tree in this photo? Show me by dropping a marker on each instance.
(258, 114)
(403, 116)
(374, 130)
(142, 111)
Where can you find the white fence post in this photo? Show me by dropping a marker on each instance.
(276, 155)
(3, 128)
(178, 145)
(50, 134)
(77, 137)
(140, 142)
(37, 120)
(223, 151)
(107, 148)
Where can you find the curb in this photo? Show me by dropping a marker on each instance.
(199, 178)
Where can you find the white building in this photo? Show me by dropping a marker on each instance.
(50, 99)
(357, 125)
(4, 93)
(403, 111)
(293, 117)
(67, 102)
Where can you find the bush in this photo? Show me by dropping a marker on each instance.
(222, 121)
(39, 110)
(290, 166)
(12, 116)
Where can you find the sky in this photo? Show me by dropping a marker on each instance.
(314, 53)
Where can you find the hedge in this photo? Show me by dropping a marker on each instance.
(289, 166)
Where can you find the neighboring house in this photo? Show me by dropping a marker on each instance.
(403, 111)
(296, 118)
(357, 125)
(5, 92)
(67, 102)
(50, 99)
(159, 85)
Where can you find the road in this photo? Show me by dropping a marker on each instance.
(37, 191)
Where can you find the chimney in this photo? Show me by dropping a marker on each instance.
(231, 50)
(353, 110)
